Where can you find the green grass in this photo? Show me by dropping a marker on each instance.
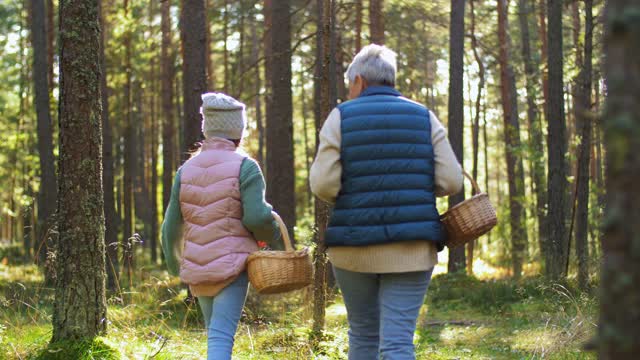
(464, 318)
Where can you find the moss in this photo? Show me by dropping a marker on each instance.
(98, 349)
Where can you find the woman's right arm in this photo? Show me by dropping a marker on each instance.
(172, 228)
(448, 170)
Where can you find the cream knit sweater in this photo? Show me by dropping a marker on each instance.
(325, 180)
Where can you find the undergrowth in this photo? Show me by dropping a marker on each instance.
(463, 318)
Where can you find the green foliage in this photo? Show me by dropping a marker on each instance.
(98, 349)
(11, 253)
(463, 318)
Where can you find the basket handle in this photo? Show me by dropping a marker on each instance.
(283, 231)
(476, 189)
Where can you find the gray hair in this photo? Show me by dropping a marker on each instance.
(376, 64)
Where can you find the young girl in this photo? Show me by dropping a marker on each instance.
(216, 213)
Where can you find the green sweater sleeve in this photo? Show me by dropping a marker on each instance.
(256, 211)
(172, 227)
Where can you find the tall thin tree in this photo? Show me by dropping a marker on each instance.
(583, 107)
(536, 141)
(457, 259)
(280, 165)
(358, 25)
(110, 216)
(376, 21)
(48, 189)
(323, 106)
(475, 129)
(168, 114)
(79, 310)
(515, 172)
(619, 318)
(194, 78)
(556, 147)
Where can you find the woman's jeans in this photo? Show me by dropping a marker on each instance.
(221, 316)
(382, 310)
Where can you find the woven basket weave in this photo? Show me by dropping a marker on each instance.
(469, 219)
(275, 272)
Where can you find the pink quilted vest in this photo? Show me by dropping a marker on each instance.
(216, 243)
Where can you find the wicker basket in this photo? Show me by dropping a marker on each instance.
(274, 272)
(469, 219)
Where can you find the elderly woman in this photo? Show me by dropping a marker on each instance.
(382, 160)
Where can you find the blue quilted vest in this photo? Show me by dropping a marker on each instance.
(387, 192)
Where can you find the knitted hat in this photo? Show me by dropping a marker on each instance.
(223, 116)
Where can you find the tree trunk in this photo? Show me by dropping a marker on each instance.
(79, 310)
(238, 73)
(50, 41)
(268, 60)
(376, 21)
(535, 128)
(255, 55)
(544, 50)
(456, 110)
(358, 25)
(153, 191)
(225, 51)
(153, 243)
(486, 156)
(475, 130)
(281, 174)
(194, 78)
(210, 70)
(556, 145)
(168, 116)
(130, 169)
(307, 151)
(619, 317)
(323, 64)
(583, 118)
(515, 171)
(48, 181)
(110, 216)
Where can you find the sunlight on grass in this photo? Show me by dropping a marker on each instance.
(336, 313)
(464, 318)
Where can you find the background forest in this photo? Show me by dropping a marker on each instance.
(519, 85)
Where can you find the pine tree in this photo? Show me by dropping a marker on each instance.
(79, 310)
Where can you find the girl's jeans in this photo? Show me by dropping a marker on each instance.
(382, 310)
(221, 316)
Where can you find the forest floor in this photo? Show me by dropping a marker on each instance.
(463, 318)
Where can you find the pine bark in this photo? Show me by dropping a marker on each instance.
(79, 310)
(194, 78)
(535, 126)
(48, 181)
(583, 118)
(358, 26)
(475, 129)
(323, 106)
(515, 171)
(51, 35)
(130, 169)
(225, 51)
(209, 61)
(376, 21)
(544, 51)
(255, 55)
(556, 147)
(619, 316)
(457, 259)
(281, 173)
(168, 114)
(110, 216)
